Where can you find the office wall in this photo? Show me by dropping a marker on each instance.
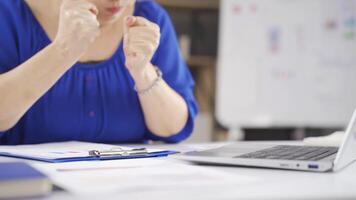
(197, 25)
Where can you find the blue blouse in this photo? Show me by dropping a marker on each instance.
(90, 102)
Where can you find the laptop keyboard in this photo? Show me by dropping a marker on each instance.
(289, 152)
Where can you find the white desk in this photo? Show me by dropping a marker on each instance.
(271, 184)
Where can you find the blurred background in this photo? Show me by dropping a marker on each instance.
(268, 70)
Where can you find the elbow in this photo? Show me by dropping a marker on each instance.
(8, 118)
(167, 128)
(6, 125)
(166, 131)
(5, 128)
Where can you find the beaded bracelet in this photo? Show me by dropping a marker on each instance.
(153, 85)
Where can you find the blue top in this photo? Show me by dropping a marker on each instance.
(91, 102)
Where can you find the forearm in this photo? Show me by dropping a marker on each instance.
(21, 87)
(165, 111)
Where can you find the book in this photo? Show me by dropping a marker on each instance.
(19, 180)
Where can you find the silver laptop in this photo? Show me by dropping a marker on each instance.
(293, 157)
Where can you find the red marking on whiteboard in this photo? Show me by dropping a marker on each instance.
(253, 8)
(237, 9)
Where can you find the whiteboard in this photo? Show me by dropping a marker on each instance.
(286, 63)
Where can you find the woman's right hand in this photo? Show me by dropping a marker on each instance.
(78, 27)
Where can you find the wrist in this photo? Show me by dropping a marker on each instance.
(144, 76)
(63, 55)
(65, 51)
(147, 79)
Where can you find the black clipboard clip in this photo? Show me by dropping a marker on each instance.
(117, 151)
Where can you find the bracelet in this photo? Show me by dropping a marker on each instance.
(153, 85)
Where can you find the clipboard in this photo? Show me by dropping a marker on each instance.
(79, 151)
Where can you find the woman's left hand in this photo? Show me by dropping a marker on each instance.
(141, 40)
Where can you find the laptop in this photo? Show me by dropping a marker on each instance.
(292, 157)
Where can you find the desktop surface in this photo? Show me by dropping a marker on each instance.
(267, 184)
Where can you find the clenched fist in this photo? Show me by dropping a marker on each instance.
(141, 40)
(78, 26)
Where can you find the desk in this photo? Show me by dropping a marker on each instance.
(271, 184)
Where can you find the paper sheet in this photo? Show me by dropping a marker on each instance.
(162, 176)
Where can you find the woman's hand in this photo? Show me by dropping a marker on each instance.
(78, 27)
(141, 40)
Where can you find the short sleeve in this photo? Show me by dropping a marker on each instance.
(9, 56)
(175, 72)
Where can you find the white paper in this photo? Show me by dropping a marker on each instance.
(139, 176)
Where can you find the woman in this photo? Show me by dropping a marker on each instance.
(91, 70)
